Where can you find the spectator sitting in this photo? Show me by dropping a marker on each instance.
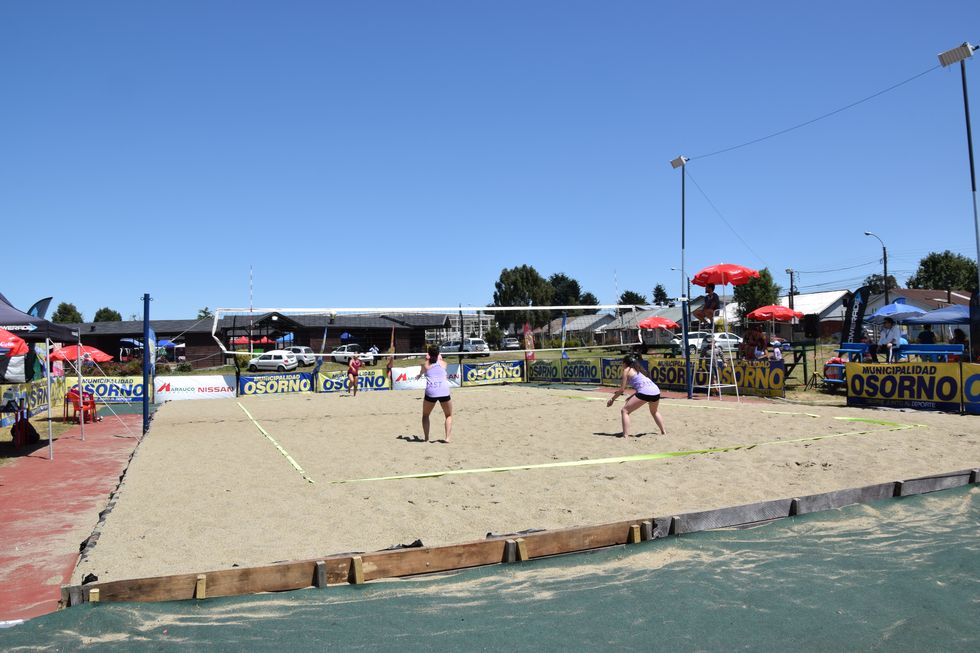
(890, 340)
(753, 345)
(959, 338)
(926, 336)
(711, 304)
(869, 355)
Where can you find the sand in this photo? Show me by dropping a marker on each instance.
(207, 490)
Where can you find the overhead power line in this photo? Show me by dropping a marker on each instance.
(712, 204)
(813, 120)
(850, 267)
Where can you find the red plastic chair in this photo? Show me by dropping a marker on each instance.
(81, 410)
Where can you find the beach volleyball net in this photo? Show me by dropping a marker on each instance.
(397, 333)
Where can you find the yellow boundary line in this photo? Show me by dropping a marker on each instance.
(890, 426)
(277, 445)
(788, 412)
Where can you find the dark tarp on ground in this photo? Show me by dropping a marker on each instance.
(32, 329)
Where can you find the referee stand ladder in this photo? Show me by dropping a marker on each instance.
(716, 359)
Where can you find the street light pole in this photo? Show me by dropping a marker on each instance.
(884, 259)
(790, 272)
(680, 162)
(948, 58)
(688, 280)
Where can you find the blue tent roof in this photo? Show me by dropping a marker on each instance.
(898, 311)
(955, 314)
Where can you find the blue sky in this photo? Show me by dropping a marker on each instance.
(403, 153)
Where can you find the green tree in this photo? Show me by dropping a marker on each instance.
(945, 271)
(660, 295)
(588, 299)
(493, 336)
(67, 314)
(523, 286)
(205, 313)
(631, 297)
(106, 314)
(566, 292)
(874, 280)
(757, 292)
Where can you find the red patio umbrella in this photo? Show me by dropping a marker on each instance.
(16, 344)
(655, 322)
(774, 312)
(72, 352)
(724, 274)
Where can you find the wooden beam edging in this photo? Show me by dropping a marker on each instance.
(398, 563)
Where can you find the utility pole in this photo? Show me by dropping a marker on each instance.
(792, 287)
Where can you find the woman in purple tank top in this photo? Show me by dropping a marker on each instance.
(647, 393)
(436, 391)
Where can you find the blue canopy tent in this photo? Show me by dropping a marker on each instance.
(955, 314)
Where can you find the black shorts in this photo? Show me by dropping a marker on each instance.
(433, 400)
(651, 398)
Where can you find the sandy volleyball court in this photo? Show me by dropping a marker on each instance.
(208, 490)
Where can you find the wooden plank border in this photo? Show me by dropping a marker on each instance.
(496, 549)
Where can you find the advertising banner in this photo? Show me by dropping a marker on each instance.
(971, 388)
(112, 389)
(542, 371)
(580, 370)
(35, 396)
(404, 377)
(271, 384)
(759, 378)
(854, 317)
(493, 373)
(612, 370)
(366, 380)
(923, 386)
(179, 388)
(668, 373)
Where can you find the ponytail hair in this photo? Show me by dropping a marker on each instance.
(632, 360)
(433, 352)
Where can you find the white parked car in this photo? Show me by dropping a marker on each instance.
(344, 353)
(726, 341)
(474, 346)
(304, 355)
(277, 359)
(510, 343)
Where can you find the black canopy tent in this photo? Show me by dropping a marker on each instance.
(37, 329)
(30, 328)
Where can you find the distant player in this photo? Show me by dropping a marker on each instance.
(647, 393)
(353, 367)
(436, 391)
